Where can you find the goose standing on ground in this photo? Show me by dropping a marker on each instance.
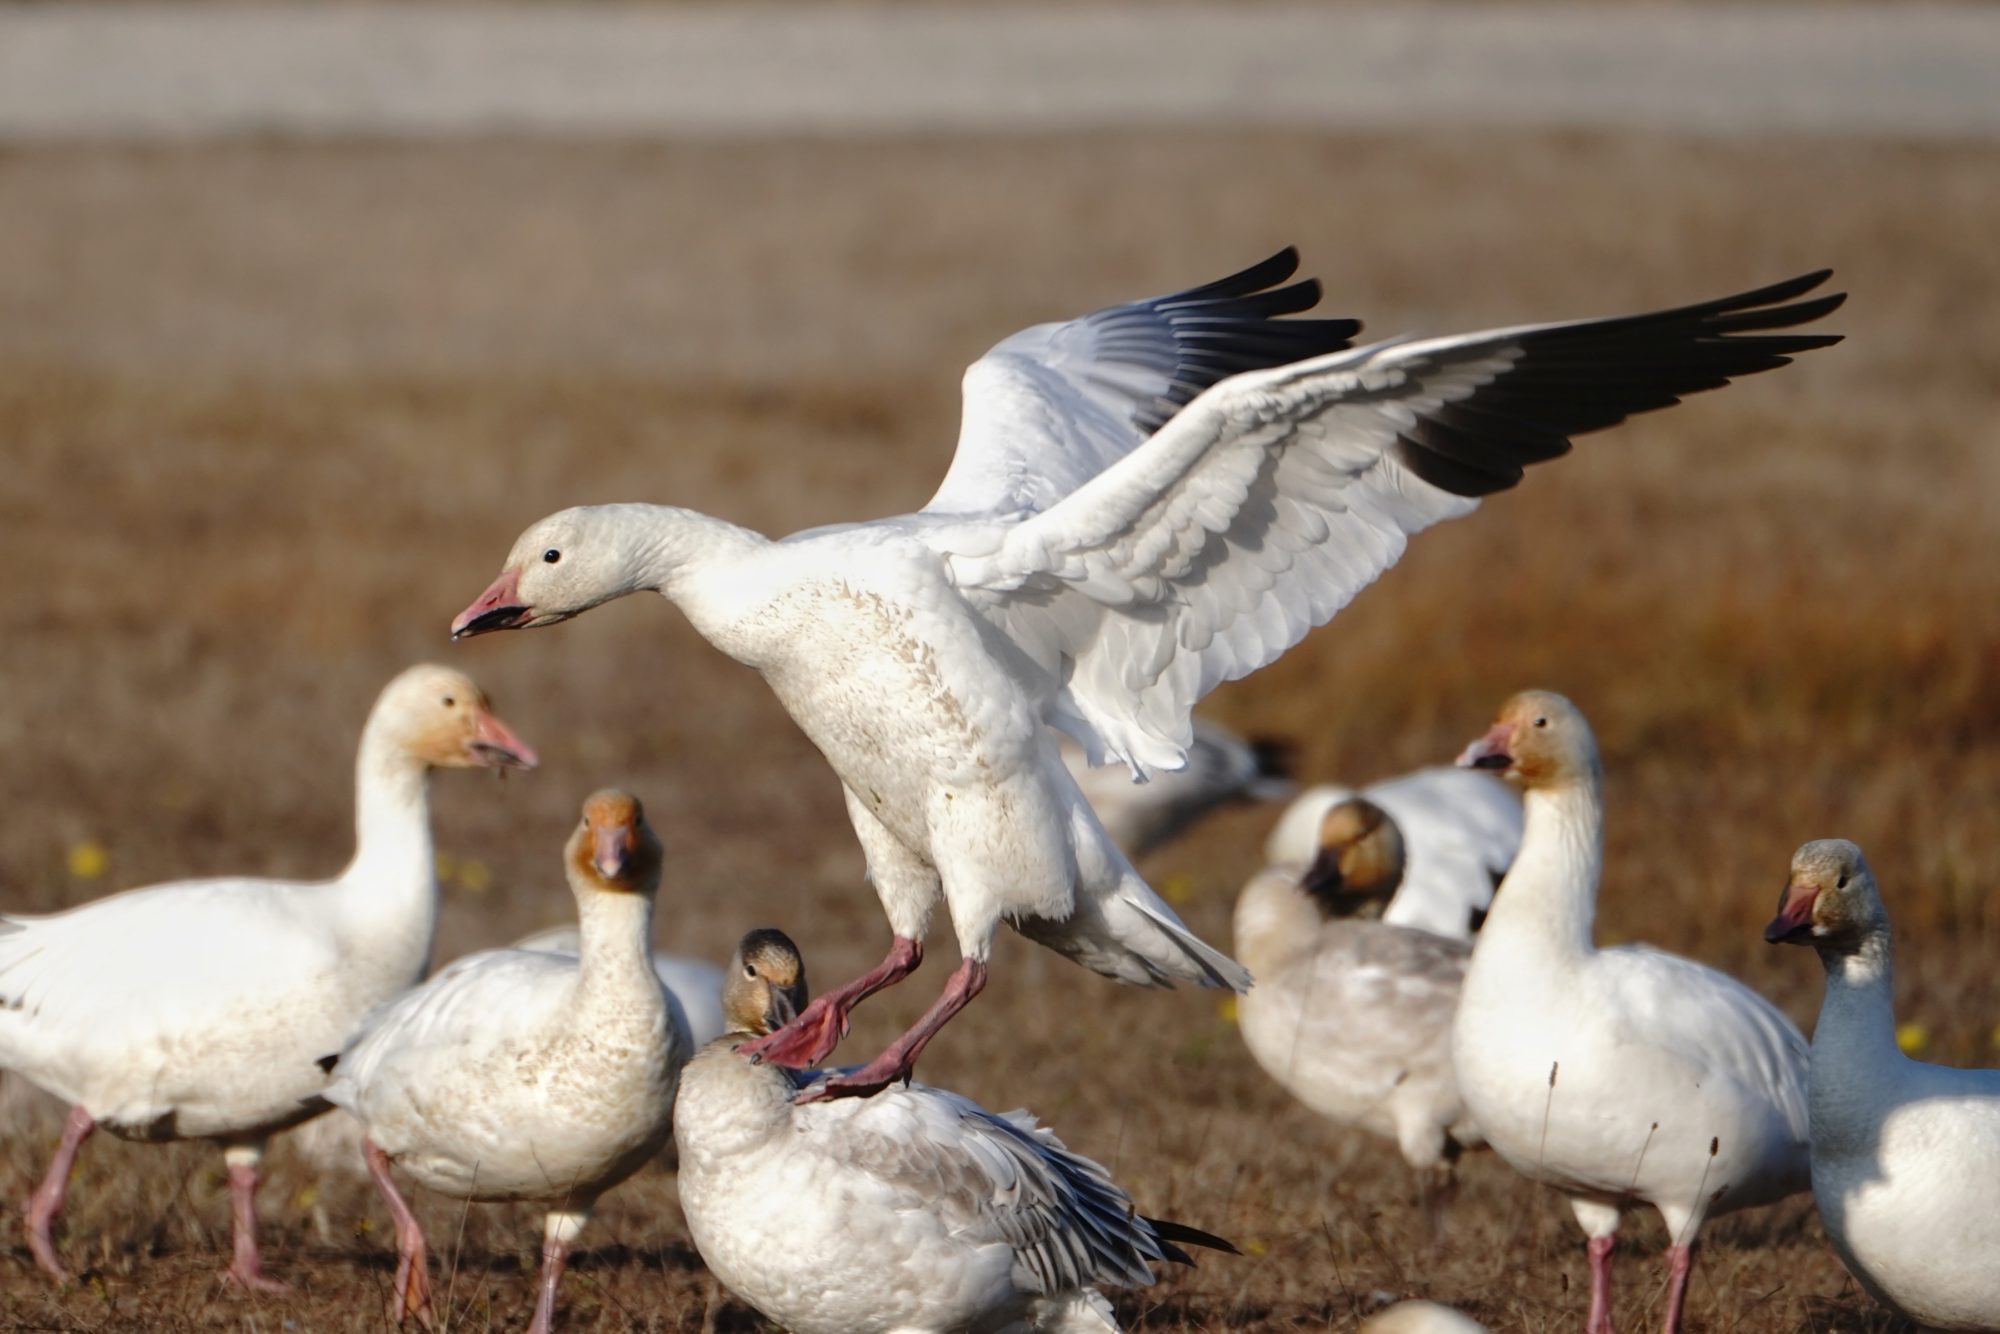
(1905, 1155)
(1430, 847)
(1617, 1076)
(523, 1074)
(914, 1212)
(1221, 767)
(1352, 1016)
(199, 1010)
(332, 1143)
(1145, 502)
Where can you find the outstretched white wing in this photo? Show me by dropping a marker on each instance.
(1140, 580)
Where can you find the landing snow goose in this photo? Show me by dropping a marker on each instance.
(1617, 1076)
(1221, 767)
(1905, 1155)
(521, 1074)
(1426, 848)
(199, 1010)
(916, 1211)
(1353, 1016)
(1145, 502)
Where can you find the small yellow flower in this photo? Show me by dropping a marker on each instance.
(473, 877)
(1226, 1007)
(1254, 1246)
(445, 866)
(308, 1196)
(1912, 1038)
(1177, 888)
(88, 860)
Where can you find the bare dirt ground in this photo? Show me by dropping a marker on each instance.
(272, 414)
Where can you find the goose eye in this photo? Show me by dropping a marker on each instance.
(749, 970)
(1541, 722)
(551, 556)
(449, 702)
(1843, 881)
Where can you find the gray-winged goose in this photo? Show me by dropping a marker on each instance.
(915, 1211)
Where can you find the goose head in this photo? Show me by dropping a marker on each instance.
(441, 719)
(1540, 740)
(1360, 858)
(560, 567)
(613, 849)
(765, 986)
(1830, 901)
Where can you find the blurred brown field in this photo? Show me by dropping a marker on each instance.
(273, 413)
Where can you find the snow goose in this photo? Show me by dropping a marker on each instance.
(1221, 767)
(526, 1074)
(332, 1143)
(1905, 1155)
(198, 1010)
(914, 1211)
(1428, 846)
(1616, 1076)
(1353, 1016)
(1145, 502)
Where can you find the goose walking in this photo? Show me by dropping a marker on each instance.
(1426, 849)
(1353, 1017)
(1619, 1076)
(1145, 502)
(522, 1074)
(913, 1212)
(200, 1009)
(1905, 1155)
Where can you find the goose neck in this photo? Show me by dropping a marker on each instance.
(1550, 892)
(1858, 1015)
(672, 549)
(614, 944)
(392, 815)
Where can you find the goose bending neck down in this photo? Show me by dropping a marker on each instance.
(1144, 503)
(1354, 1016)
(913, 1212)
(199, 1010)
(521, 1074)
(1905, 1155)
(1619, 1075)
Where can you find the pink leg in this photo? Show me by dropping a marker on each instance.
(1600, 1285)
(555, 1257)
(967, 981)
(47, 1201)
(811, 1038)
(1681, 1259)
(246, 1266)
(411, 1294)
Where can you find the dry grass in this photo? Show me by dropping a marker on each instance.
(272, 415)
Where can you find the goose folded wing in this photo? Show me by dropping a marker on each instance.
(996, 1179)
(1263, 506)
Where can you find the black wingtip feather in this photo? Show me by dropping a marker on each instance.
(1233, 325)
(1569, 379)
(1169, 1232)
